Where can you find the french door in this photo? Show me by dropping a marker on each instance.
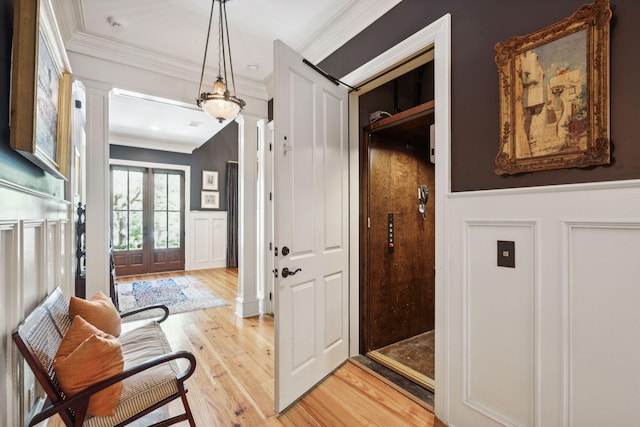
(147, 220)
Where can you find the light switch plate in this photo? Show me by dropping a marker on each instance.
(506, 253)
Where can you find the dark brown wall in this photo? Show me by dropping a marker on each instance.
(476, 26)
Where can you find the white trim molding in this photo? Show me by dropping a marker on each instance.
(438, 36)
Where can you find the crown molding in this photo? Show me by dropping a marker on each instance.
(71, 14)
(346, 24)
(153, 144)
(92, 46)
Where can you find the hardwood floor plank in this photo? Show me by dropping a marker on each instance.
(233, 383)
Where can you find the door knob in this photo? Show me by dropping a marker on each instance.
(286, 272)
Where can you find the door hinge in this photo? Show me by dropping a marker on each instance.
(275, 274)
(275, 252)
(368, 222)
(270, 296)
(270, 246)
(270, 147)
(270, 196)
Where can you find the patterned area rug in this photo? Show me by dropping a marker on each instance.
(180, 294)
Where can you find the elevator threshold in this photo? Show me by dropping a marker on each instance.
(402, 369)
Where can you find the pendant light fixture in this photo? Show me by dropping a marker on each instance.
(221, 104)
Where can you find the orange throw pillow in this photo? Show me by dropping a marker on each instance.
(99, 311)
(87, 356)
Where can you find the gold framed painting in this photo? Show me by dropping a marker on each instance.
(40, 124)
(554, 94)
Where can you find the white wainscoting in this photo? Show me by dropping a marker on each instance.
(36, 235)
(500, 388)
(553, 341)
(208, 242)
(603, 290)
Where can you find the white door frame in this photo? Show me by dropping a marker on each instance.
(265, 217)
(437, 34)
(267, 249)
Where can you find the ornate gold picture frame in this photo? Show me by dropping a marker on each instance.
(554, 94)
(40, 89)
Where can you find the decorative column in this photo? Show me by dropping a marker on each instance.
(97, 194)
(247, 303)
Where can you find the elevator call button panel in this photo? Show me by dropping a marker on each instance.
(390, 232)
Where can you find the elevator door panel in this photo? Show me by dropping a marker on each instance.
(401, 292)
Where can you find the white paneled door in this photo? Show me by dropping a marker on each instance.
(311, 226)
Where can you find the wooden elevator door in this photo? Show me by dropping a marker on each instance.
(400, 281)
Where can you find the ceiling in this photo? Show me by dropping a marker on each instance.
(168, 36)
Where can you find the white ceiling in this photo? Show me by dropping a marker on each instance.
(159, 35)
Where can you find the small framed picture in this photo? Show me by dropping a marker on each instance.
(210, 200)
(209, 180)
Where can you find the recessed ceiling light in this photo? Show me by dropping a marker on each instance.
(253, 67)
(194, 123)
(154, 127)
(114, 22)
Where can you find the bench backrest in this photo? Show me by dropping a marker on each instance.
(38, 339)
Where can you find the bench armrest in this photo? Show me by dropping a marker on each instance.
(147, 308)
(80, 401)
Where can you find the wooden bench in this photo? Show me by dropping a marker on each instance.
(147, 384)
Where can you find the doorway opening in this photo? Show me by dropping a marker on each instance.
(397, 238)
(147, 220)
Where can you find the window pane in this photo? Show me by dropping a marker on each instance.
(120, 230)
(135, 191)
(120, 189)
(135, 230)
(160, 227)
(174, 229)
(160, 193)
(174, 192)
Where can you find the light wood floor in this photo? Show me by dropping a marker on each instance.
(233, 383)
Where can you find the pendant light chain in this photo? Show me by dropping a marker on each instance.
(206, 47)
(226, 23)
(222, 59)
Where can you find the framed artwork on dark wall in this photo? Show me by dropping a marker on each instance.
(210, 200)
(40, 123)
(554, 94)
(209, 180)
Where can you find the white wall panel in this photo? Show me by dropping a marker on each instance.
(554, 341)
(67, 256)
(53, 270)
(499, 327)
(603, 340)
(209, 240)
(10, 296)
(33, 229)
(34, 265)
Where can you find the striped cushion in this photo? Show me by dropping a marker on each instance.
(151, 386)
(58, 308)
